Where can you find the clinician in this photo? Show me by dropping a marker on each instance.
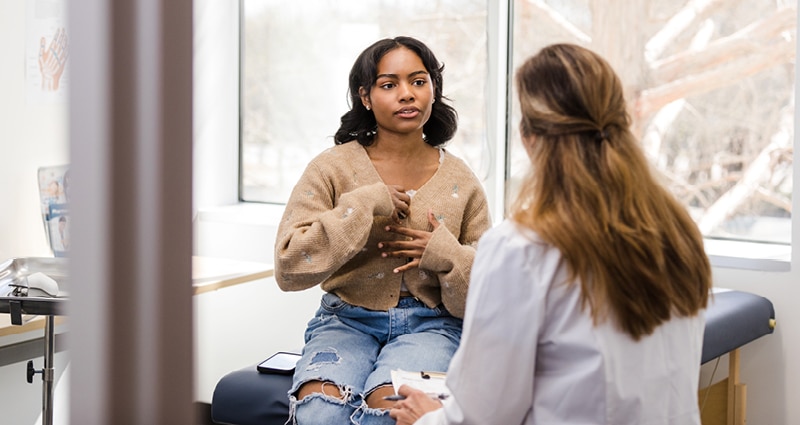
(585, 305)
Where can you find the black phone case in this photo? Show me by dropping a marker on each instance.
(261, 367)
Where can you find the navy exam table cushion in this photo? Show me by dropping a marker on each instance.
(247, 397)
(733, 319)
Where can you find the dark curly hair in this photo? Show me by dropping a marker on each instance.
(358, 123)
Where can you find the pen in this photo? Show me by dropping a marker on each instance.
(398, 397)
(394, 397)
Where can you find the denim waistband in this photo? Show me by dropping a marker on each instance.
(409, 302)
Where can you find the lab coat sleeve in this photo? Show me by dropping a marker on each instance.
(491, 376)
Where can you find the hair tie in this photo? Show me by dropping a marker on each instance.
(601, 135)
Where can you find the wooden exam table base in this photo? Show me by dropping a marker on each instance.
(725, 403)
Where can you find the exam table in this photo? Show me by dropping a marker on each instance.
(733, 319)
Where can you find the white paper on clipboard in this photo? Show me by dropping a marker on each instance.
(432, 383)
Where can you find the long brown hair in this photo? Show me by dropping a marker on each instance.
(632, 247)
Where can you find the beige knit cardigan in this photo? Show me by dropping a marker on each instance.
(336, 216)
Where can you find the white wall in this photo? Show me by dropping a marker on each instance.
(21, 402)
(31, 135)
(241, 325)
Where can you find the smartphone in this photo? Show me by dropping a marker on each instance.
(281, 363)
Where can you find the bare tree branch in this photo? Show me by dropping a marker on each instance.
(754, 38)
(776, 199)
(754, 176)
(651, 141)
(694, 11)
(653, 99)
(559, 21)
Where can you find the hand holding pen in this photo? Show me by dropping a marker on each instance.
(414, 404)
(398, 397)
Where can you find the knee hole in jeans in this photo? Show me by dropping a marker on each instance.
(375, 399)
(322, 387)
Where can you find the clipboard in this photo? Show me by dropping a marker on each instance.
(432, 383)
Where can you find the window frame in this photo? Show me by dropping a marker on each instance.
(218, 165)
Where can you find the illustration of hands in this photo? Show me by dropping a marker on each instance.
(53, 59)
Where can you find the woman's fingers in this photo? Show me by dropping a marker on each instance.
(407, 266)
(401, 201)
(433, 220)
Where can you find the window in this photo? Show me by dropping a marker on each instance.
(711, 91)
(710, 84)
(295, 63)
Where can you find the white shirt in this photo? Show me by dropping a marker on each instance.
(529, 355)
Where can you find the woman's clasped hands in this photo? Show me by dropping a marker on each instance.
(413, 246)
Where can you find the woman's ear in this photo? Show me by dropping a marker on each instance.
(362, 92)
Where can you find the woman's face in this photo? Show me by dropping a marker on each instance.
(402, 96)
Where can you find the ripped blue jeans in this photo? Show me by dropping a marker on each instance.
(355, 349)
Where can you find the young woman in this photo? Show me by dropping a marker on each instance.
(585, 306)
(386, 222)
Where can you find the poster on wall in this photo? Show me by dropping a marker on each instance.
(46, 51)
(54, 195)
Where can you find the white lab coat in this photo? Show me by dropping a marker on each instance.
(529, 355)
